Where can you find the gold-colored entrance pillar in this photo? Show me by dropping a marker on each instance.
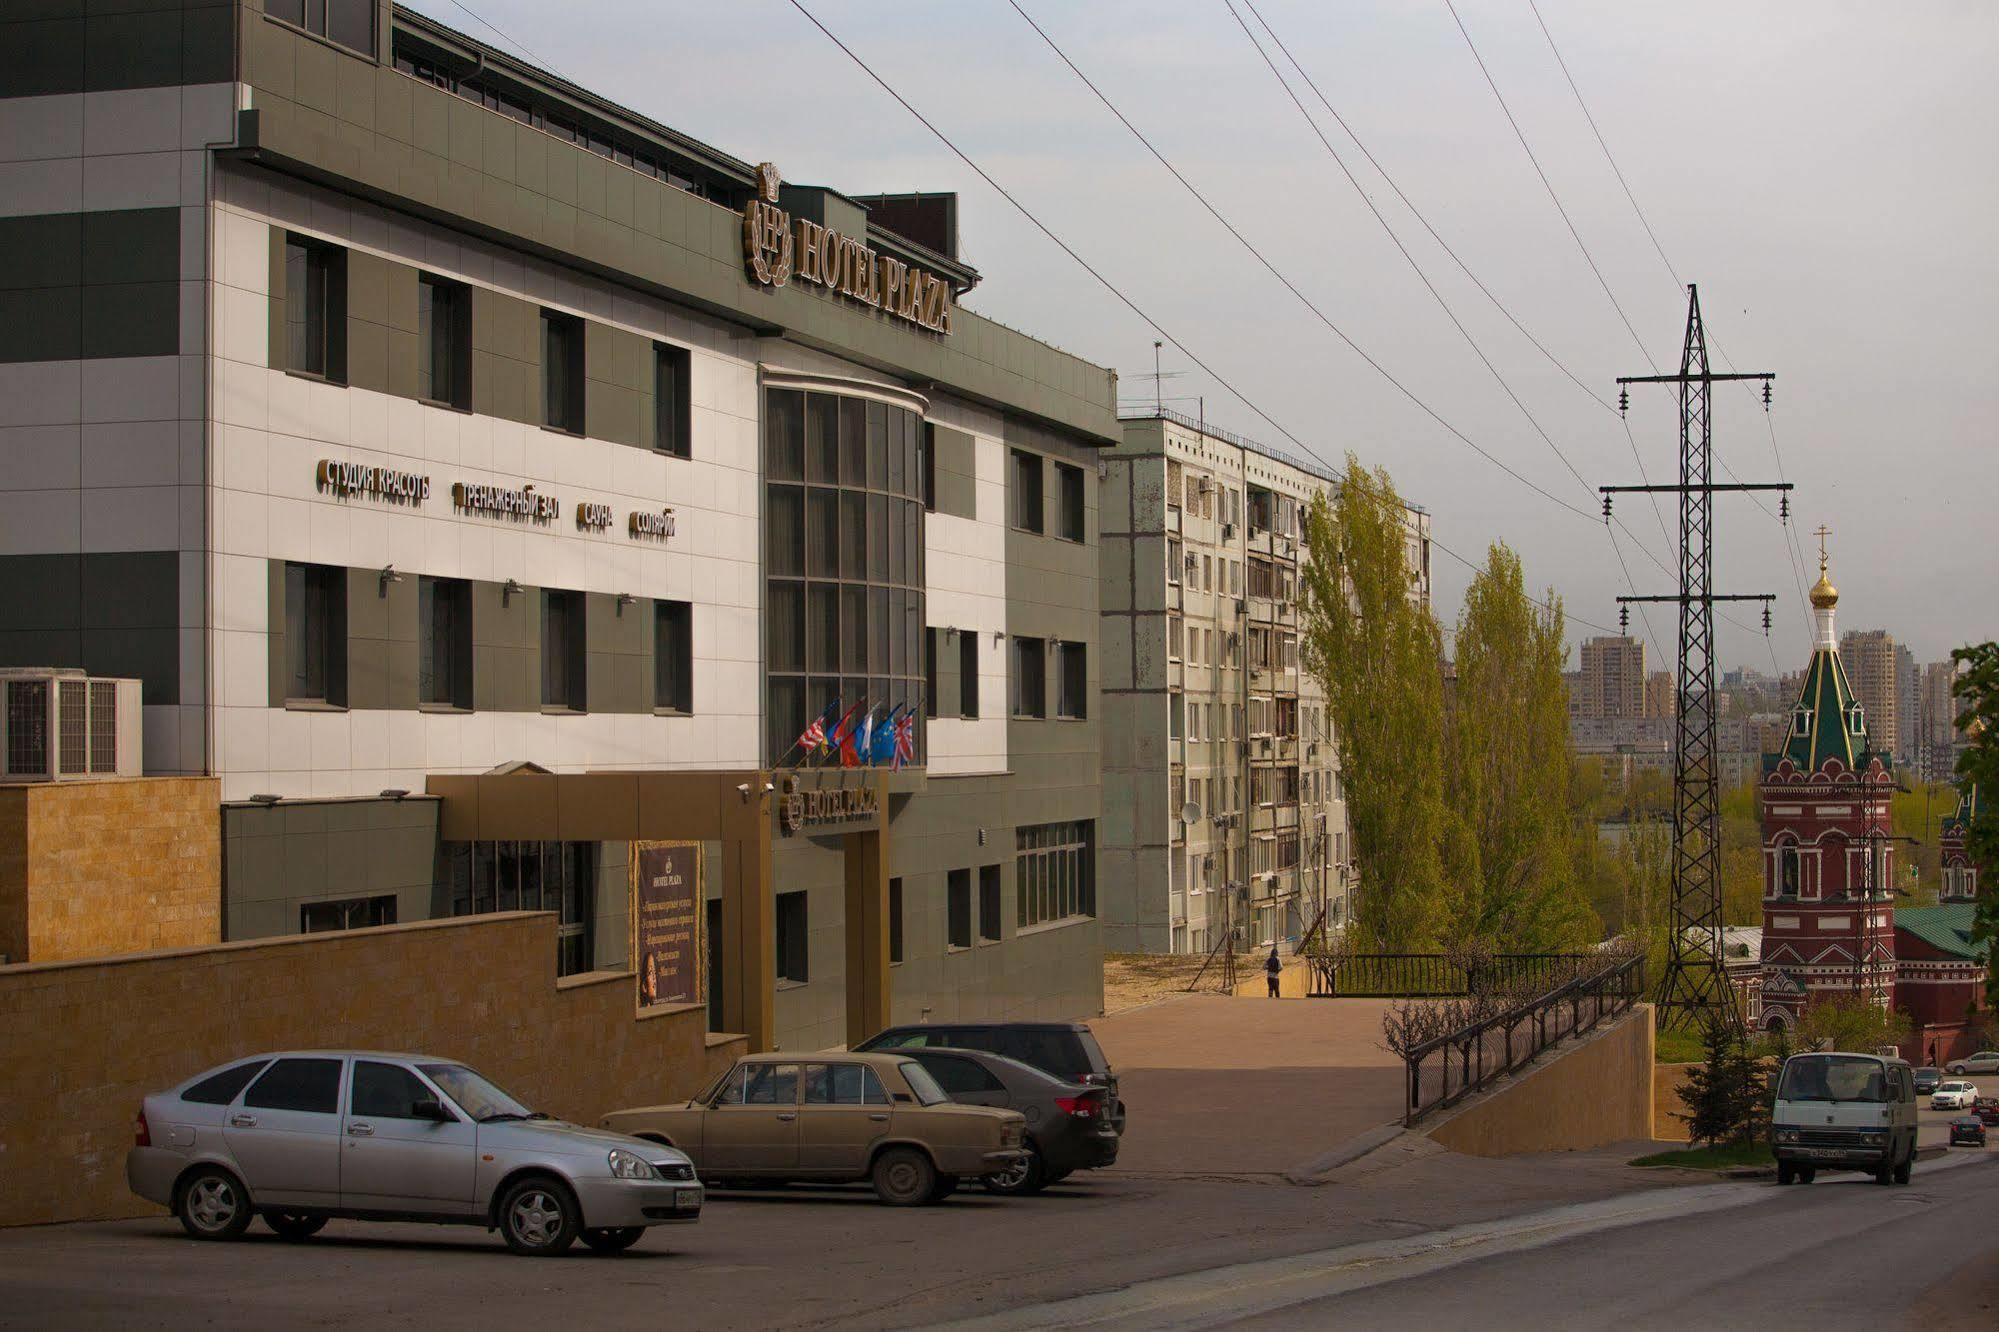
(867, 933)
(749, 924)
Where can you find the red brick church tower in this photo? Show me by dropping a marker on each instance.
(1960, 876)
(1828, 906)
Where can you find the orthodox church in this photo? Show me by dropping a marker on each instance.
(1830, 925)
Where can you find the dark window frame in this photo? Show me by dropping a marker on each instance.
(332, 22)
(1072, 695)
(958, 909)
(452, 333)
(347, 913)
(673, 658)
(793, 936)
(315, 306)
(1026, 492)
(990, 928)
(895, 931)
(323, 586)
(564, 365)
(1071, 523)
(572, 610)
(672, 402)
(453, 598)
(968, 673)
(1030, 678)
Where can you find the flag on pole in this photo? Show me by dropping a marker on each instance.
(905, 739)
(838, 734)
(814, 736)
(882, 748)
(854, 752)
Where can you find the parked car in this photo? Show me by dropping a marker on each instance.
(1953, 1096)
(1927, 1080)
(1069, 1125)
(1985, 1061)
(305, 1135)
(1066, 1049)
(834, 1118)
(1967, 1131)
(1986, 1108)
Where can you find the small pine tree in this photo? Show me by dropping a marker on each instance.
(1712, 1092)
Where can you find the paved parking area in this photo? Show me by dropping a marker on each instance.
(1227, 1086)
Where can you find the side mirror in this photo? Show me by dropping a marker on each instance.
(432, 1110)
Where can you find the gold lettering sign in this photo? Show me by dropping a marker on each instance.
(778, 247)
(347, 479)
(804, 810)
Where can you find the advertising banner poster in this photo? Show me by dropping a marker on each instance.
(667, 916)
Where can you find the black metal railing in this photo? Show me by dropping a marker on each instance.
(1424, 975)
(1447, 1068)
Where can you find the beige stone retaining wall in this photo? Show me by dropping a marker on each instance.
(1588, 1093)
(81, 1043)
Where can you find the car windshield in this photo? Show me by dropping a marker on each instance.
(1832, 1078)
(919, 1080)
(475, 1095)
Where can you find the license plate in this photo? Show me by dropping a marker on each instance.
(687, 1197)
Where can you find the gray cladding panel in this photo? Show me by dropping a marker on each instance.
(277, 859)
(90, 285)
(54, 46)
(108, 614)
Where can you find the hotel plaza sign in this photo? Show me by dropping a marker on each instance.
(778, 247)
(806, 809)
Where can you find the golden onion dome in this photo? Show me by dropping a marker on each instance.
(1824, 595)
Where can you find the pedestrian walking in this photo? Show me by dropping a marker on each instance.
(1272, 969)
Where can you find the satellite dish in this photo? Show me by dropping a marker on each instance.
(1190, 813)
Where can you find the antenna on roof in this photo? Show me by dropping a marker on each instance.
(1159, 378)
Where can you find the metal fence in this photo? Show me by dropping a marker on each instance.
(1424, 975)
(1444, 1070)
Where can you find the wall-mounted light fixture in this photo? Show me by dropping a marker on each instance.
(999, 637)
(950, 632)
(509, 590)
(389, 575)
(624, 599)
(394, 793)
(265, 798)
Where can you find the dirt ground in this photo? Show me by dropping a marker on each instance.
(1135, 979)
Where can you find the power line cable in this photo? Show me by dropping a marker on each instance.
(1113, 289)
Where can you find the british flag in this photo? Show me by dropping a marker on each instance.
(905, 740)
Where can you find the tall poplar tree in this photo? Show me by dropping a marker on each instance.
(1508, 772)
(1977, 689)
(1372, 644)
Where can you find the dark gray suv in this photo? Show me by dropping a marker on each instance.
(1069, 1124)
(1067, 1049)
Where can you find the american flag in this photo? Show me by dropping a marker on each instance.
(905, 740)
(813, 736)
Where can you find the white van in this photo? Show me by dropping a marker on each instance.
(1844, 1112)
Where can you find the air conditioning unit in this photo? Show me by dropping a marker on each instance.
(1207, 484)
(62, 725)
(1228, 531)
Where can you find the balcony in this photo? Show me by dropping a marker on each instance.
(1287, 817)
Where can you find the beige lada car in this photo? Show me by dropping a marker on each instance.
(834, 1118)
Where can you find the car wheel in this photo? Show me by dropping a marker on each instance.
(1786, 1172)
(1908, 1166)
(1025, 1176)
(613, 1240)
(946, 1186)
(539, 1217)
(904, 1177)
(1885, 1175)
(1806, 1174)
(213, 1204)
(1953, 1068)
(294, 1225)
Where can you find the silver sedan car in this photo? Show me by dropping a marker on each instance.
(302, 1136)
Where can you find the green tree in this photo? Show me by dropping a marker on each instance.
(1375, 650)
(1725, 1095)
(1850, 1022)
(1509, 782)
(1977, 691)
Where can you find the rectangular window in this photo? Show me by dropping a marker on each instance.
(930, 671)
(354, 913)
(1173, 558)
(1072, 684)
(792, 954)
(989, 903)
(1070, 483)
(673, 412)
(958, 907)
(444, 654)
(1027, 503)
(927, 464)
(1030, 677)
(315, 634)
(315, 309)
(348, 22)
(1054, 872)
(968, 672)
(562, 650)
(562, 372)
(444, 342)
(673, 656)
(894, 921)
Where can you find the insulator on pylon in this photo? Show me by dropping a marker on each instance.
(1784, 508)
(1766, 619)
(1766, 395)
(1624, 401)
(1623, 619)
(1606, 508)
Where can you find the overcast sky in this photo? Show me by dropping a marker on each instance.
(1824, 171)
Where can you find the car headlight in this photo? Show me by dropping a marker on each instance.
(624, 1165)
(1873, 1135)
(1787, 1135)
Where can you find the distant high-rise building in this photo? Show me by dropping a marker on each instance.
(1661, 698)
(1936, 721)
(1869, 655)
(1908, 684)
(1613, 678)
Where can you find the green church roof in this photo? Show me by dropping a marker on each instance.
(1969, 806)
(1947, 928)
(1827, 722)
